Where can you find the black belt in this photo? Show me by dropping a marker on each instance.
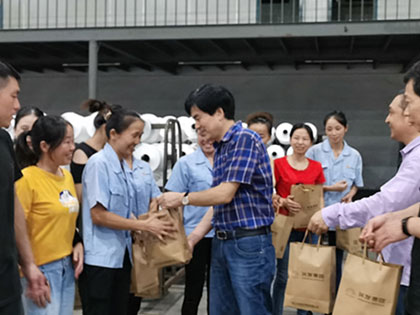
(240, 232)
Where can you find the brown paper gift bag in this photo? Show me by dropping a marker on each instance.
(175, 249)
(310, 197)
(281, 229)
(368, 287)
(349, 240)
(311, 277)
(143, 278)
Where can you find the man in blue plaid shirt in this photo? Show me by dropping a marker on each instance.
(243, 258)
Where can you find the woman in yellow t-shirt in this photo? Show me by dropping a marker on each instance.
(49, 199)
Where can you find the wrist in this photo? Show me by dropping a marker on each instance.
(194, 238)
(405, 225)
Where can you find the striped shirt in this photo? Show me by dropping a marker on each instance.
(241, 157)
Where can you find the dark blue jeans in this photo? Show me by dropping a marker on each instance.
(401, 301)
(241, 274)
(279, 286)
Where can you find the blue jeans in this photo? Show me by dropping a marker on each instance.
(241, 274)
(279, 286)
(60, 276)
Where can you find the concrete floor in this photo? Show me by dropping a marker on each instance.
(172, 302)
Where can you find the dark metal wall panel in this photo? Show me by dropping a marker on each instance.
(307, 95)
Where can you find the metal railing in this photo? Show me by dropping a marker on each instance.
(41, 14)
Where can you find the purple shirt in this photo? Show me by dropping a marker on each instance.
(398, 193)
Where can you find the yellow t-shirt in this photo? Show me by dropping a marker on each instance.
(51, 207)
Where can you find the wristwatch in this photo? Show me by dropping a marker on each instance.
(185, 201)
(404, 225)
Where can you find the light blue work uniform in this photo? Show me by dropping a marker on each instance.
(348, 166)
(191, 173)
(105, 182)
(145, 188)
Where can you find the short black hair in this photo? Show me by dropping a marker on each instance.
(6, 72)
(337, 115)
(209, 98)
(120, 119)
(26, 111)
(414, 74)
(304, 126)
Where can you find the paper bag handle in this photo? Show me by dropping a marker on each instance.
(306, 235)
(381, 257)
(305, 188)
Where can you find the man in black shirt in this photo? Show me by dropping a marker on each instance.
(396, 226)
(13, 234)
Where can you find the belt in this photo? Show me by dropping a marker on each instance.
(240, 232)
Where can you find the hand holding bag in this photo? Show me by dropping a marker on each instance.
(281, 229)
(311, 277)
(368, 287)
(310, 197)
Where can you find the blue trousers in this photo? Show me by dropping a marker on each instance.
(60, 276)
(241, 274)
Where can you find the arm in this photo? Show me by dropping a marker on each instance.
(201, 229)
(218, 195)
(387, 228)
(349, 196)
(38, 289)
(79, 158)
(103, 217)
(398, 193)
(338, 186)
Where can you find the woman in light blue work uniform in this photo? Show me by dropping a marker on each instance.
(111, 196)
(342, 166)
(194, 173)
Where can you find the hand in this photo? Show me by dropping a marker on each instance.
(340, 186)
(382, 231)
(276, 202)
(38, 289)
(78, 259)
(292, 205)
(158, 227)
(347, 198)
(367, 235)
(192, 240)
(170, 199)
(317, 224)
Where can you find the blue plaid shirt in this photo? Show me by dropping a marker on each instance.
(241, 157)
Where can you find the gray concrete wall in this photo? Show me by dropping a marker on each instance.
(290, 95)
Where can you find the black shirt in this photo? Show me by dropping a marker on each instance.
(9, 173)
(77, 169)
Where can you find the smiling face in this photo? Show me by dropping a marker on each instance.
(9, 102)
(413, 105)
(205, 144)
(335, 131)
(209, 126)
(125, 142)
(300, 141)
(396, 119)
(62, 154)
(262, 131)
